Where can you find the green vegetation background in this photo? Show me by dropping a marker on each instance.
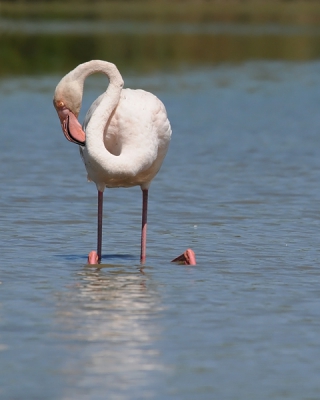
(284, 11)
(32, 51)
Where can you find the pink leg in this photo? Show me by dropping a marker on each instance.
(94, 257)
(144, 226)
(100, 212)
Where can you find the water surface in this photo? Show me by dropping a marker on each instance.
(240, 185)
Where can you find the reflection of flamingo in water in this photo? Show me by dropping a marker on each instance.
(124, 140)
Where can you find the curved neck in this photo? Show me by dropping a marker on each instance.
(110, 99)
(100, 113)
(91, 67)
(113, 91)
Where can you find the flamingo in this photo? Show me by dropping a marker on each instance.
(123, 140)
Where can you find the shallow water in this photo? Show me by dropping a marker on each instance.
(240, 185)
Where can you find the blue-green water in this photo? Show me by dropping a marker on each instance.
(240, 185)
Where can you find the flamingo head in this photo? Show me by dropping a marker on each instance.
(67, 102)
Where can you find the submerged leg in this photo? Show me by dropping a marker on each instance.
(94, 257)
(100, 213)
(144, 226)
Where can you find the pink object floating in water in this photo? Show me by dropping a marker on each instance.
(187, 258)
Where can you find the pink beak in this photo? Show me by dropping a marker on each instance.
(71, 127)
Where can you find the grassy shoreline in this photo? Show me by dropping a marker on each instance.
(250, 11)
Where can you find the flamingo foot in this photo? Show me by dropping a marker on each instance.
(93, 257)
(187, 258)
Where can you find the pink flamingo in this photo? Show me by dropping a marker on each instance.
(124, 138)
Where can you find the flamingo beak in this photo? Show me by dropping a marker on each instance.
(70, 126)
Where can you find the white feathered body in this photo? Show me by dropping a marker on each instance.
(129, 149)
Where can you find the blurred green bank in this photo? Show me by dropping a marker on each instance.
(49, 37)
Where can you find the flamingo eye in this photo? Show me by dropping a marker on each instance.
(59, 104)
